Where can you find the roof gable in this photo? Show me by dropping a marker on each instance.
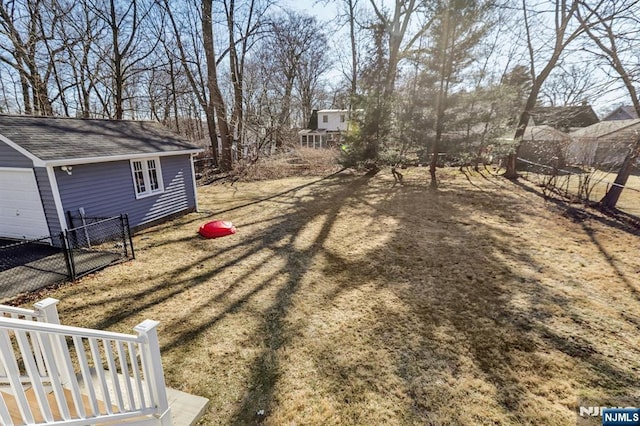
(50, 139)
(626, 112)
(564, 117)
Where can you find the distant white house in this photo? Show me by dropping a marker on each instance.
(325, 128)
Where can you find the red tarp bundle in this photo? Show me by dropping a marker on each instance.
(217, 228)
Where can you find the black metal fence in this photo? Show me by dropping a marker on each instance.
(96, 242)
(92, 244)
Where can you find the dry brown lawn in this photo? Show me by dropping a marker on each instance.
(349, 300)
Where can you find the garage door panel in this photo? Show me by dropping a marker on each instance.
(16, 181)
(14, 216)
(21, 196)
(18, 232)
(21, 211)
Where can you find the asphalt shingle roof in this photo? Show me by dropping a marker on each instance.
(50, 138)
(604, 128)
(544, 133)
(564, 117)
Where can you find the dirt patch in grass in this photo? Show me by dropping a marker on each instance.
(351, 300)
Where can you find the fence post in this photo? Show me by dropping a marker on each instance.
(68, 256)
(148, 330)
(126, 219)
(70, 219)
(48, 311)
(123, 236)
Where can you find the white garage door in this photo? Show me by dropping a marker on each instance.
(21, 212)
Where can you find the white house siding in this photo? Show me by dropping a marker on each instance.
(107, 189)
(333, 120)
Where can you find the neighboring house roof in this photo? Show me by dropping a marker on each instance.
(544, 133)
(564, 117)
(314, 131)
(604, 128)
(626, 112)
(74, 140)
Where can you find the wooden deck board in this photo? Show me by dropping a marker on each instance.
(36, 410)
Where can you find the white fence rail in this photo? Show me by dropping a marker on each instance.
(51, 373)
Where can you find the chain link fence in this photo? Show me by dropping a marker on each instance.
(582, 184)
(93, 244)
(96, 243)
(31, 264)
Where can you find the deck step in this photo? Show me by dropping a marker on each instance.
(186, 409)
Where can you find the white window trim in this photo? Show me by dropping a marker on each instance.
(146, 177)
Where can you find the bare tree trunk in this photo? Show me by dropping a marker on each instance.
(236, 76)
(396, 27)
(198, 91)
(117, 63)
(511, 172)
(354, 49)
(174, 95)
(441, 97)
(26, 95)
(612, 196)
(213, 134)
(614, 58)
(562, 19)
(216, 101)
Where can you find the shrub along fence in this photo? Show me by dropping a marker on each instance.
(581, 184)
(92, 244)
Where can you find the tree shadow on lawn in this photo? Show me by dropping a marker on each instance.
(407, 304)
(203, 215)
(584, 219)
(465, 311)
(448, 324)
(175, 282)
(464, 352)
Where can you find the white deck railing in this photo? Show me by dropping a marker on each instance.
(76, 376)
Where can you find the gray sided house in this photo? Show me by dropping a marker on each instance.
(53, 167)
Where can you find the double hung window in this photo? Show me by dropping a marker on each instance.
(147, 177)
